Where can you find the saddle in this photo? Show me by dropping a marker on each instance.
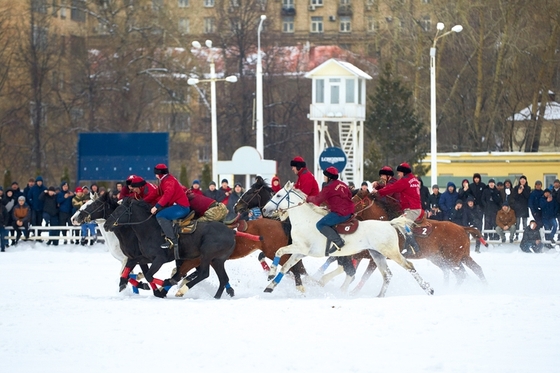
(188, 224)
(347, 227)
(423, 228)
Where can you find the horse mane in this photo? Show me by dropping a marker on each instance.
(391, 206)
(261, 183)
(141, 203)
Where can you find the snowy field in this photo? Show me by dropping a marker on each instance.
(60, 311)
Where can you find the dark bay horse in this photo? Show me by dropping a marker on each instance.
(447, 246)
(211, 242)
(102, 208)
(257, 196)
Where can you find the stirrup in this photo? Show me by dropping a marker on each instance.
(168, 244)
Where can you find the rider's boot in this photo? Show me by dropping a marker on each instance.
(332, 236)
(170, 238)
(411, 241)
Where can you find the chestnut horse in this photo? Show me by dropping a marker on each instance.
(447, 246)
(274, 235)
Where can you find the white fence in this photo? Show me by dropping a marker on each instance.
(65, 233)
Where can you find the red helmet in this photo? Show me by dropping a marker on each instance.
(137, 182)
(161, 169)
(298, 162)
(331, 172)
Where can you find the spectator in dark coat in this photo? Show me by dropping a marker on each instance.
(30, 184)
(534, 199)
(491, 204)
(506, 193)
(216, 194)
(531, 241)
(424, 196)
(476, 188)
(457, 214)
(474, 217)
(65, 208)
(549, 208)
(3, 220)
(464, 191)
(8, 201)
(236, 193)
(520, 196)
(448, 199)
(35, 203)
(50, 212)
(16, 191)
(435, 212)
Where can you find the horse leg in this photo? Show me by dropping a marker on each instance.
(381, 262)
(297, 270)
(321, 271)
(372, 266)
(460, 273)
(329, 276)
(154, 268)
(469, 262)
(125, 274)
(294, 258)
(219, 268)
(403, 262)
(202, 271)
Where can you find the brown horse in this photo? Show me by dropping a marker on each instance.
(274, 236)
(447, 246)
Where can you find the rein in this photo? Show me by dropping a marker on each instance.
(128, 211)
(256, 193)
(363, 202)
(287, 197)
(87, 219)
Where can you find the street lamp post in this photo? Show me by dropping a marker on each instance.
(213, 112)
(433, 128)
(259, 88)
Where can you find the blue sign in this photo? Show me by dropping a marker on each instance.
(115, 156)
(333, 157)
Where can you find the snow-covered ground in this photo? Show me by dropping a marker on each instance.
(60, 311)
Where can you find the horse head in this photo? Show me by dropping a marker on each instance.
(257, 196)
(284, 199)
(100, 208)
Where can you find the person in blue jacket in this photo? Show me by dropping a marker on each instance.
(65, 208)
(448, 199)
(36, 203)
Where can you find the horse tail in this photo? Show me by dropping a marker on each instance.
(399, 223)
(474, 231)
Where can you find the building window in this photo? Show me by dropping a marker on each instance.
(344, 2)
(426, 23)
(209, 3)
(317, 24)
(209, 25)
(345, 24)
(63, 9)
(39, 6)
(370, 2)
(184, 25)
(350, 91)
(335, 94)
(288, 4)
(316, 2)
(370, 24)
(426, 1)
(319, 91)
(183, 3)
(204, 153)
(77, 14)
(288, 24)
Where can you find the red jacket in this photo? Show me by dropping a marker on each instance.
(337, 196)
(199, 203)
(226, 190)
(275, 188)
(148, 193)
(171, 192)
(306, 183)
(409, 188)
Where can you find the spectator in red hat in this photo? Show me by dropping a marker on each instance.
(172, 204)
(409, 188)
(275, 184)
(338, 198)
(387, 177)
(144, 191)
(306, 181)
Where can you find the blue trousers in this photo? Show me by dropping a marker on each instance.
(550, 224)
(89, 227)
(332, 218)
(173, 212)
(2, 238)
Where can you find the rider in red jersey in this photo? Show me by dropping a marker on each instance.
(306, 181)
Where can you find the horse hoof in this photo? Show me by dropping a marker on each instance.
(122, 287)
(270, 277)
(179, 294)
(300, 288)
(230, 292)
(268, 290)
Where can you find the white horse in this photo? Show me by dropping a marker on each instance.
(378, 237)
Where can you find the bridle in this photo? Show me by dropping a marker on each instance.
(287, 198)
(256, 193)
(364, 203)
(127, 211)
(88, 214)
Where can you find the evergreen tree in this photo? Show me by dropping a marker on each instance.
(206, 177)
(183, 176)
(396, 135)
(7, 179)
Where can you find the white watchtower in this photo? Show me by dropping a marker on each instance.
(339, 96)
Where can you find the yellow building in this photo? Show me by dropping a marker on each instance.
(499, 166)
